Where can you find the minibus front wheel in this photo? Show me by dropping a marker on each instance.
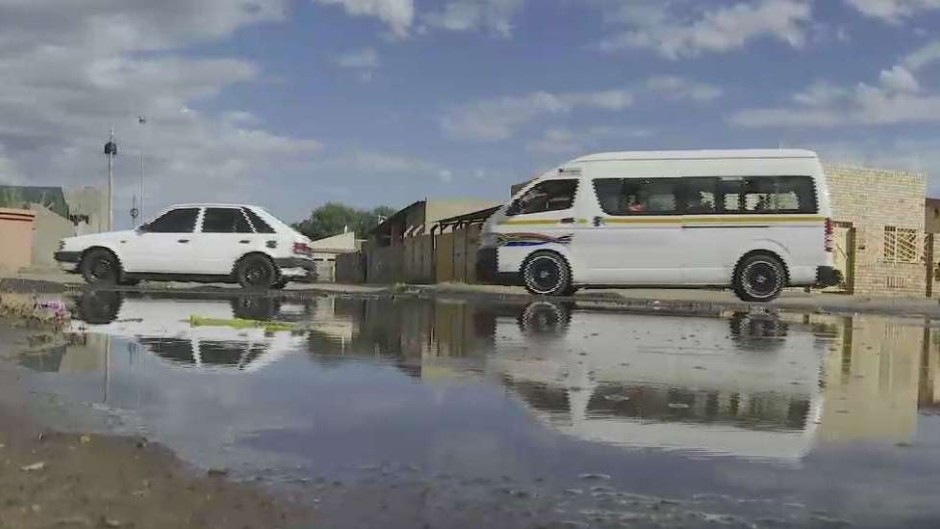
(547, 274)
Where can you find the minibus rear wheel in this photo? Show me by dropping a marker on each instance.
(759, 277)
(547, 274)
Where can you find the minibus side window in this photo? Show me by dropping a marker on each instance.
(768, 194)
(701, 196)
(551, 195)
(638, 196)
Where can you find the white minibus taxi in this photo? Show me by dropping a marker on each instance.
(756, 221)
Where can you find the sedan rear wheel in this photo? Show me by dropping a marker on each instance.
(256, 272)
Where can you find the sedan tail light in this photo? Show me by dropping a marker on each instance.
(829, 235)
(302, 248)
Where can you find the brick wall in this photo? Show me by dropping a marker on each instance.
(872, 199)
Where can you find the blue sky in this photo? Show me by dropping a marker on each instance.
(293, 103)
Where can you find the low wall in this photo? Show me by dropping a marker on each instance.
(50, 228)
(350, 269)
(385, 264)
(16, 238)
(442, 258)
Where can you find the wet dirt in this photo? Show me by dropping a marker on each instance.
(60, 480)
(384, 412)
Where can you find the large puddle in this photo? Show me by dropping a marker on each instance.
(532, 416)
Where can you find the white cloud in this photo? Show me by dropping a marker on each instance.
(660, 26)
(679, 88)
(923, 57)
(556, 141)
(465, 15)
(494, 16)
(110, 26)
(893, 10)
(498, 119)
(899, 79)
(561, 141)
(866, 105)
(73, 70)
(364, 62)
(820, 94)
(898, 98)
(388, 163)
(920, 155)
(398, 15)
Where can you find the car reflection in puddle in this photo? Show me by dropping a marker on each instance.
(670, 383)
(527, 403)
(164, 326)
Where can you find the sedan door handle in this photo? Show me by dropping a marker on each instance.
(183, 241)
(244, 241)
(567, 220)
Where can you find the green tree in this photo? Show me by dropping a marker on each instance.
(334, 218)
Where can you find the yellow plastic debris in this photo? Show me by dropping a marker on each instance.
(235, 323)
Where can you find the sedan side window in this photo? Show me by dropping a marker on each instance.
(552, 195)
(182, 220)
(260, 225)
(225, 220)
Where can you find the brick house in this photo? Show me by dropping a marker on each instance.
(880, 229)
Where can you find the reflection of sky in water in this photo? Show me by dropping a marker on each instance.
(807, 409)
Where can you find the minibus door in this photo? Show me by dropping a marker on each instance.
(635, 235)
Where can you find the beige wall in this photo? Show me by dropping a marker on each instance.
(344, 242)
(50, 228)
(16, 238)
(871, 199)
(92, 202)
(932, 215)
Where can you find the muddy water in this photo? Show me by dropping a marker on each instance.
(406, 413)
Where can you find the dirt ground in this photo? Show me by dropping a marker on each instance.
(71, 481)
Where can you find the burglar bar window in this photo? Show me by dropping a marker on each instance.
(901, 245)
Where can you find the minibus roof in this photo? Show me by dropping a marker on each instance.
(697, 155)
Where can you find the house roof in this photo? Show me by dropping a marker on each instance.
(398, 215)
(472, 217)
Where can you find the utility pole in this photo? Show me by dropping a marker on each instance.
(141, 120)
(110, 149)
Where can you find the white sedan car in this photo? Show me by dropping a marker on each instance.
(205, 243)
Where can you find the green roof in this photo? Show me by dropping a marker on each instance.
(21, 196)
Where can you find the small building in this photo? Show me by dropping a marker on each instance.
(403, 247)
(879, 229)
(325, 252)
(456, 240)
